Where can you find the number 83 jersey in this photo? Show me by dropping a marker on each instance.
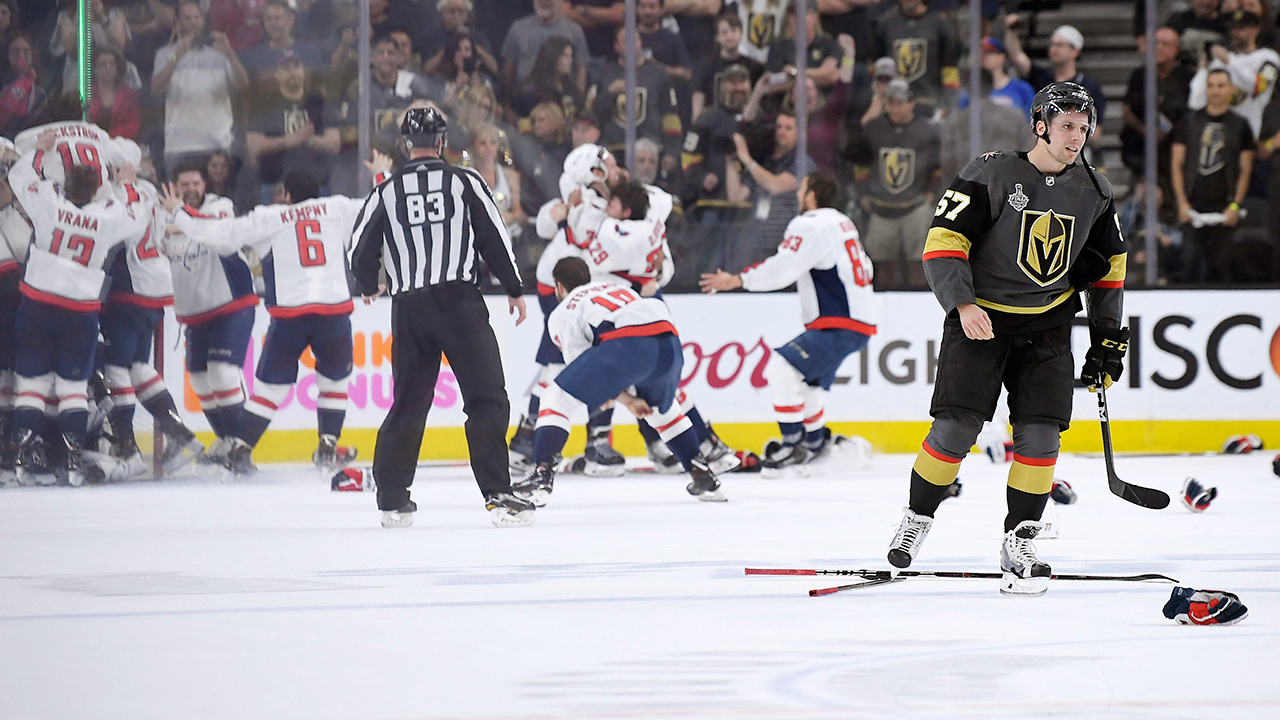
(303, 248)
(1005, 236)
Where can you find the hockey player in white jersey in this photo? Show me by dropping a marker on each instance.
(75, 143)
(15, 238)
(822, 256)
(74, 238)
(619, 345)
(303, 244)
(141, 288)
(1253, 71)
(213, 296)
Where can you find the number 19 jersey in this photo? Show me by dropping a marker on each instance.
(599, 311)
(303, 248)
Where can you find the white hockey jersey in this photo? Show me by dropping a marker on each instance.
(141, 274)
(661, 203)
(71, 246)
(303, 248)
(78, 143)
(15, 239)
(763, 22)
(1254, 75)
(627, 252)
(581, 227)
(600, 311)
(821, 254)
(207, 283)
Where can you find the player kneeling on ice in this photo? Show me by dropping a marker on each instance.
(621, 346)
(1014, 241)
(821, 255)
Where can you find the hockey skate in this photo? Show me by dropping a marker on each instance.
(911, 534)
(216, 455)
(507, 510)
(74, 469)
(704, 485)
(664, 461)
(783, 461)
(330, 457)
(536, 486)
(180, 451)
(240, 458)
(601, 460)
(847, 451)
(32, 462)
(129, 465)
(1024, 574)
(720, 458)
(401, 518)
(520, 451)
(8, 460)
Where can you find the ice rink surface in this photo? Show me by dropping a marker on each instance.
(276, 598)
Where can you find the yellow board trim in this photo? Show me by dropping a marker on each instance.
(943, 239)
(936, 471)
(1118, 268)
(1016, 310)
(1145, 436)
(1032, 479)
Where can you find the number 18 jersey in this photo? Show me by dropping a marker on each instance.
(303, 248)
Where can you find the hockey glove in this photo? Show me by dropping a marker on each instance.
(1104, 362)
(1090, 267)
(1196, 496)
(1204, 607)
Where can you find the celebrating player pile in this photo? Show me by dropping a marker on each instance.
(1014, 241)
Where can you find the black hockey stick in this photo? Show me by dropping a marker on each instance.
(1136, 494)
(886, 574)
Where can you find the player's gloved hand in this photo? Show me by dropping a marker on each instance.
(1104, 362)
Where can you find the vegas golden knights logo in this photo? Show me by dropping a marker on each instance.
(294, 120)
(910, 54)
(642, 105)
(897, 168)
(1213, 145)
(1044, 250)
(760, 30)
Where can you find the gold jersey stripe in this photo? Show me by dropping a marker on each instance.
(936, 471)
(942, 239)
(1033, 479)
(1118, 266)
(1016, 310)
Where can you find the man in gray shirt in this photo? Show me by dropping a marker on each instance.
(527, 35)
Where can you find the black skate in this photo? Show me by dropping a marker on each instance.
(506, 510)
(781, 461)
(704, 485)
(720, 458)
(32, 459)
(911, 534)
(520, 451)
(216, 455)
(1024, 574)
(401, 517)
(240, 458)
(8, 455)
(601, 460)
(664, 461)
(74, 469)
(180, 449)
(537, 484)
(329, 457)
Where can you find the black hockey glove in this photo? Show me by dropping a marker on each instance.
(1090, 267)
(1104, 362)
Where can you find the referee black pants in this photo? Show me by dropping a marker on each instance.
(449, 318)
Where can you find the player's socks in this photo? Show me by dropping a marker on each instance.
(165, 412)
(74, 424)
(926, 496)
(1023, 506)
(548, 441)
(700, 426)
(814, 440)
(685, 447)
(647, 432)
(121, 420)
(792, 432)
(535, 403)
(252, 426)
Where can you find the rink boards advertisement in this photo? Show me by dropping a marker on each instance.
(1202, 365)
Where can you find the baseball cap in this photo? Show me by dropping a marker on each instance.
(1243, 18)
(991, 44)
(885, 67)
(1072, 36)
(737, 70)
(898, 89)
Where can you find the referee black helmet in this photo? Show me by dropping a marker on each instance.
(424, 128)
(1062, 97)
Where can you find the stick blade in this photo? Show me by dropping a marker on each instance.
(1138, 495)
(779, 571)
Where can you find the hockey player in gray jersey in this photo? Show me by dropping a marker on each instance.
(1015, 241)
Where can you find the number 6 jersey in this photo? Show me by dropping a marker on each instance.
(821, 254)
(303, 248)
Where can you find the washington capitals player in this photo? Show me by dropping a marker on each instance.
(141, 287)
(75, 143)
(822, 256)
(615, 342)
(15, 239)
(213, 296)
(303, 244)
(57, 324)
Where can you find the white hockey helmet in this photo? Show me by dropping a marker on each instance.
(580, 167)
(127, 152)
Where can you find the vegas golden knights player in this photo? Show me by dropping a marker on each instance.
(1015, 241)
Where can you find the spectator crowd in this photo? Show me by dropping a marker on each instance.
(255, 89)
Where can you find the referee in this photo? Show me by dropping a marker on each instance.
(425, 226)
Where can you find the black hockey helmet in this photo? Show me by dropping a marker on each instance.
(424, 128)
(1062, 97)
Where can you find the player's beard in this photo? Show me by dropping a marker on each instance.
(193, 199)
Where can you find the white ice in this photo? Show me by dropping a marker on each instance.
(276, 598)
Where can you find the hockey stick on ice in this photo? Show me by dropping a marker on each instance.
(949, 574)
(1136, 494)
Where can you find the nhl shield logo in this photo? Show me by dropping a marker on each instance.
(1044, 249)
(897, 168)
(910, 53)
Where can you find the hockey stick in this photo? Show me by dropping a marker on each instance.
(1136, 494)
(880, 574)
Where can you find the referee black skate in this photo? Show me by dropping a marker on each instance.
(427, 226)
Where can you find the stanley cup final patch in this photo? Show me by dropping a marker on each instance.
(1044, 248)
(1018, 200)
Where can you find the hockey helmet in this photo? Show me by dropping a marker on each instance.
(1063, 97)
(580, 167)
(424, 128)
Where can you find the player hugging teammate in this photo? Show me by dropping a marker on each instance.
(1015, 240)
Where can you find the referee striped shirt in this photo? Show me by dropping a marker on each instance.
(427, 224)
